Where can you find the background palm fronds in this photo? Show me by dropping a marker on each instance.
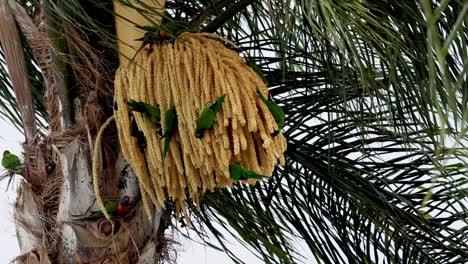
(376, 97)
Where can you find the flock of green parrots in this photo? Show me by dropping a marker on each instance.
(166, 32)
(204, 122)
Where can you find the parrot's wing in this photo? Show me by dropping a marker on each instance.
(171, 27)
(205, 121)
(259, 72)
(170, 124)
(18, 167)
(136, 106)
(278, 114)
(206, 118)
(217, 105)
(154, 114)
(170, 119)
(261, 96)
(95, 215)
(110, 208)
(236, 170)
(12, 162)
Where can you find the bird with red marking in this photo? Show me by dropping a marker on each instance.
(115, 209)
(123, 207)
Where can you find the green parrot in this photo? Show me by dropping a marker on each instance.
(257, 70)
(153, 113)
(240, 173)
(113, 209)
(171, 30)
(140, 136)
(159, 34)
(156, 34)
(148, 39)
(147, 29)
(170, 124)
(275, 110)
(207, 117)
(11, 162)
(166, 32)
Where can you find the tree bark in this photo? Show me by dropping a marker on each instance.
(83, 241)
(51, 221)
(127, 32)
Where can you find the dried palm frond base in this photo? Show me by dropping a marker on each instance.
(35, 217)
(36, 256)
(120, 240)
(190, 74)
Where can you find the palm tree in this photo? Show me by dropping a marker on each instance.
(375, 95)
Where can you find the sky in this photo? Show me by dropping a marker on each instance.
(188, 252)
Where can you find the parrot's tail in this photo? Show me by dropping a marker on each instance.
(166, 146)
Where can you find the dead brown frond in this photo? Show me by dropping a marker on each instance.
(47, 201)
(62, 138)
(87, 63)
(50, 200)
(35, 162)
(18, 72)
(166, 249)
(88, 70)
(44, 53)
(166, 244)
(37, 256)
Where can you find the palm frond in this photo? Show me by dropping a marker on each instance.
(8, 106)
(375, 94)
(27, 79)
(365, 180)
(352, 189)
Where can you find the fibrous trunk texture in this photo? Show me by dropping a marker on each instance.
(51, 213)
(74, 239)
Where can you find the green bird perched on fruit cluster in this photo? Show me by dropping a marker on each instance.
(114, 209)
(257, 70)
(170, 30)
(240, 173)
(276, 112)
(11, 162)
(154, 34)
(207, 117)
(159, 34)
(148, 39)
(170, 124)
(153, 113)
(166, 32)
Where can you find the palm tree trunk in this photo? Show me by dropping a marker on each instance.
(51, 227)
